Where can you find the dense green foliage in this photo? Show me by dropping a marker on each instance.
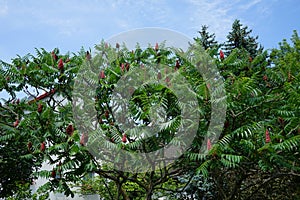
(256, 156)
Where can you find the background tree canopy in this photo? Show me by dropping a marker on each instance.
(256, 156)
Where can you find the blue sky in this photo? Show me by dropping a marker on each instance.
(69, 25)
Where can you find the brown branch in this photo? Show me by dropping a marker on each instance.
(271, 178)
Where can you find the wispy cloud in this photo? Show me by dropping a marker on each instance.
(75, 23)
(216, 14)
(249, 4)
(3, 8)
(219, 14)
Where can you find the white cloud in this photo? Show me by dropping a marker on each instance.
(220, 14)
(141, 13)
(82, 22)
(3, 8)
(64, 27)
(216, 14)
(249, 4)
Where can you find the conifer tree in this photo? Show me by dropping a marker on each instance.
(206, 39)
(239, 37)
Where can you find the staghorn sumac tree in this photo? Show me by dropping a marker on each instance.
(49, 133)
(257, 155)
(33, 125)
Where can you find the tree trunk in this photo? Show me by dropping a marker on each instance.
(122, 192)
(149, 194)
(125, 196)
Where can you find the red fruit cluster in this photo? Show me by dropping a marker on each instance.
(221, 55)
(60, 64)
(167, 80)
(106, 114)
(43, 146)
(156, 47)
(177, 65)
(122, 67)
(208, 86)
(84, 139)
(158, 75)
(40, 108)
(124, 138)
(54, 56)
(208, 144)
(70, 130)
(88, 55)
(267, 134)
(53, 173)
(127, 66)
(29, 146)
(265, 77)
(102, 75)
(16, 123)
